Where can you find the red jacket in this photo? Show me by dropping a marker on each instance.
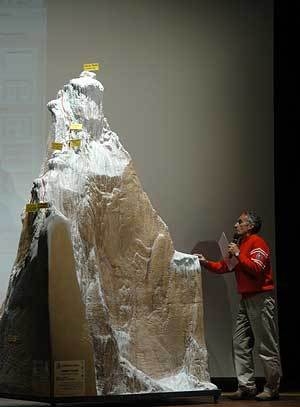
(253, 272)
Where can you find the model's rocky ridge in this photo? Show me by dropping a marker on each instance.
(139, 302)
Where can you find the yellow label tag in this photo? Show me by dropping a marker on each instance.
(32, 207)
(91, 67)
(57, 146)
(75, 143)
(12, 338)
(42, 205)
(76, 126)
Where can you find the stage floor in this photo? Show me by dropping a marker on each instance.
(286, 400)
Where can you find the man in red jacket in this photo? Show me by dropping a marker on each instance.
(255, 321)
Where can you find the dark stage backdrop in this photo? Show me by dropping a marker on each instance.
(286, 204)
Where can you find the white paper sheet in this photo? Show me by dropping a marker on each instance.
(223, 245)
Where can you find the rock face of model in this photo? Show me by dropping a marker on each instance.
(97, 284)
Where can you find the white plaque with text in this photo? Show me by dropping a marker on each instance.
(69, 378)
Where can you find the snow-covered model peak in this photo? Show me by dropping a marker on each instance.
(81, 139)
(88, 74)
(86, 79)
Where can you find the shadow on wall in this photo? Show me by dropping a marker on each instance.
(217, 314)
(9, 200)
(9, 226)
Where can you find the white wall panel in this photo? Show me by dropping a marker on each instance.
(22, 117)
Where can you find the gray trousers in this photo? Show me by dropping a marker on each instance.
(256, 327)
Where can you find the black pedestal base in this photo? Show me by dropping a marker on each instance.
(164, 398)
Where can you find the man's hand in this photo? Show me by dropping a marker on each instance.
(233, 249)
(201, 258)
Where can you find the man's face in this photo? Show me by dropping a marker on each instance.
(242, 225)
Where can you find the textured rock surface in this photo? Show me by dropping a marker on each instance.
(142, 300)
